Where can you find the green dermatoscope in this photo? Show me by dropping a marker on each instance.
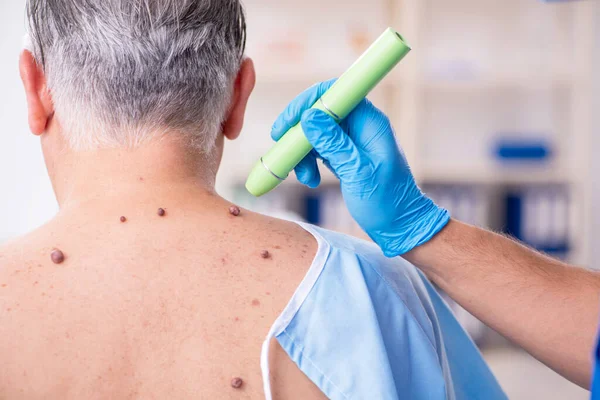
(339, 101)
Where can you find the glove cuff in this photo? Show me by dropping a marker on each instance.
(433, 219)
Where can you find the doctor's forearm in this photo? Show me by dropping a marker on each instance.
(547, 307)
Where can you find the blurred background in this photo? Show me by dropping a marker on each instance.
(495, 109)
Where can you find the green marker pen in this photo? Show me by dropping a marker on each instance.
(339, 101)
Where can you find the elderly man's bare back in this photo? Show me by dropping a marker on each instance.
(155, 307)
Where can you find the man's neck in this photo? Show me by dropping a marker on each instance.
(159, 170)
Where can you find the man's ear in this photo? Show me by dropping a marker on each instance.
(39, 102)
(244, 85)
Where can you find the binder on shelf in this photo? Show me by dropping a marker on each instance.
(465, 202)
(522, 149)
(539, 216)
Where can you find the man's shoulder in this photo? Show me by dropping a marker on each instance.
(21, 271)
(24, 248)
(300, 240)
(24, 259)
(13, 254)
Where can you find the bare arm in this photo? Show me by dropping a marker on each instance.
(549, 308)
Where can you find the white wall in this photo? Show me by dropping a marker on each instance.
(26, 198)
(594, 157)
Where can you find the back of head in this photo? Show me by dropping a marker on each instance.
(121, 72)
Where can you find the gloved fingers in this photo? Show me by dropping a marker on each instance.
(355, 122)
(307, 172)
(331, 142)
(293, 113)
(370, 129)
(329, 167)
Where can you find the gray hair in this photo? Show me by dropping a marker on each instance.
(121, 72)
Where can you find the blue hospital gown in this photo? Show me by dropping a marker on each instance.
(363, 326)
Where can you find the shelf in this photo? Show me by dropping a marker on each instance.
(494, 175)
(239, 178)
(488, 83)
(497, 83)
(508, 175)
(292, 79)
(310, 79)
(473, 86)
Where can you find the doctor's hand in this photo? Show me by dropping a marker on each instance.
(376, 181)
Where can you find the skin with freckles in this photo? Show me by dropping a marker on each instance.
(156, 308)
(146, 311)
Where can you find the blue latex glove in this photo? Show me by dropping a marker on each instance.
(377, 184)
